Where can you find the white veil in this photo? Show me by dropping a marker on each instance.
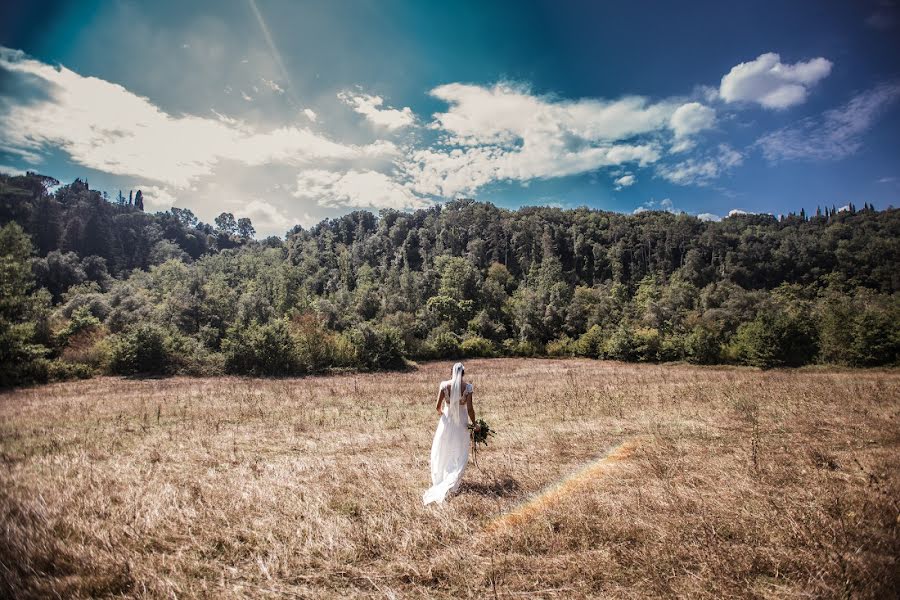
(452, 405)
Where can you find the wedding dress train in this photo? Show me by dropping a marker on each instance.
(450, 447)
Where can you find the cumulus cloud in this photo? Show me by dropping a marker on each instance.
(267, 217)
(370, 108)
(624, 181)
(735, 212)
(772, 84)
(505, 133)
(665, 205)
(156, 198)
(836, 134)
(701, 171)
(691, 118)
(103, 126)
(505, 114)
(310, 114)
(356, 189)
(709, 217)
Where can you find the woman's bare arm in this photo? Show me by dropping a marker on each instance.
(440, 400)
(470, 405)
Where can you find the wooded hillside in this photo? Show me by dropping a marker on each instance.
(94, 285)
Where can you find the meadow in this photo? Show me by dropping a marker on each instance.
(736, 483)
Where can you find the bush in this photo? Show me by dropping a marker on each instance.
(703, 346)
(261, 349)
(590, 343)
(622, 344)
(81, 321)
(191, 357)
(60, 370)
(776, 337)
(564, 346)
(377, 347)
(477, 347)
(88, 347)
(442, 343)
(521, 348)
(144, 349)
(876, 339)
(318, 347)
(647, 343)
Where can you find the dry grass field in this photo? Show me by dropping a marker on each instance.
(736, 483)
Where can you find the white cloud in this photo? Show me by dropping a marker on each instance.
(734, 212)
(156, 198)
(665, 205)
(504, 133)
(246, 97)
(356, 189)
(272, 85)
(103, 126)
(311, 114)
(691, 118)
(7, 170)
(772, 84)
(836, 134)
(505, 114)
(709, 217)
(701, 171)
(624, 181)
(687, 120)
(369, 107)
(267, 219)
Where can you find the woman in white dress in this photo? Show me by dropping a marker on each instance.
(450, 448)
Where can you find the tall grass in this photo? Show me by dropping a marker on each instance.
(745, 484)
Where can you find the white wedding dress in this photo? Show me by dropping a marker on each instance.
(450, 448)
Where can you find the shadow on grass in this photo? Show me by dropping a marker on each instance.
(500, 488)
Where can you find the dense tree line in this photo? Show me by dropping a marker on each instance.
(95, 286)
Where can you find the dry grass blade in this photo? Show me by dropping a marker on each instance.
(745, 484)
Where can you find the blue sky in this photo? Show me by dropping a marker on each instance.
(289, 112)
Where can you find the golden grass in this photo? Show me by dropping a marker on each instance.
(778, 484)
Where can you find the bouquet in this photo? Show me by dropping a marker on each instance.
(480, 433)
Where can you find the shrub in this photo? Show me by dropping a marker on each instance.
(141, 350)
(189, 356)
(590, 343)
(876, 339)
(318, 347)
(256, 349)
(442, 343)
(477, 347)
(88, 347)
(81, 321)
(521, 348)
(703, 345)
(377, 347)
(622, 344)
(647, 343)
(60, 370)
(776, 337)
(563, 346)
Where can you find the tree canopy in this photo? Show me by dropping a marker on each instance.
(464, 278)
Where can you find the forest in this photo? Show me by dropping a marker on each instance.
(92, 285)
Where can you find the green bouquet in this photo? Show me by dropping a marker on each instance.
(481, 433)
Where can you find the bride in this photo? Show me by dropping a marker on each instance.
(450, 448)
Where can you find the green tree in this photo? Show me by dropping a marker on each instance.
(18, 352)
